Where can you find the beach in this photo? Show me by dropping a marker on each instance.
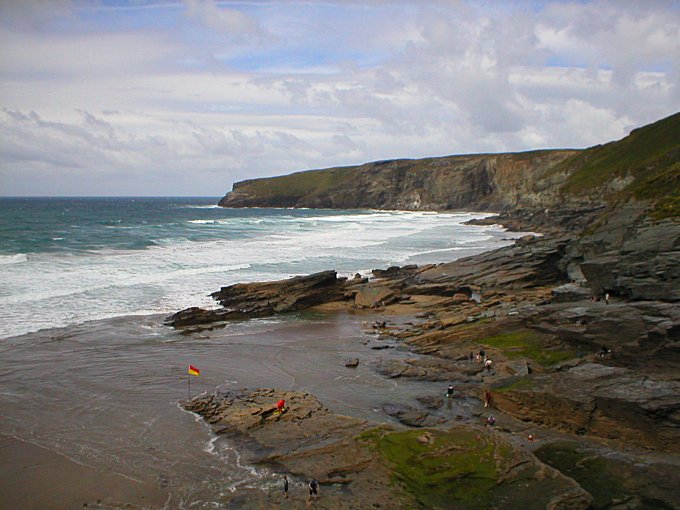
(107, 404)
(35, 477)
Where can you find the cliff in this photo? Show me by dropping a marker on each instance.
(644, 166)
(484, 182)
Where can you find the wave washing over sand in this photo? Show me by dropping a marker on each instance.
(69, 261)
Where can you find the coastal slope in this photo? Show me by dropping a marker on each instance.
(642, 166)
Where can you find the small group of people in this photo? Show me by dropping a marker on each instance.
(313, 486)
(481, 358)
(603, 352)
(595, 298)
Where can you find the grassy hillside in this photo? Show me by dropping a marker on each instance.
(311, 182)
(644, 165)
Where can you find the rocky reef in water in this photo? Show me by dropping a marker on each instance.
(582, 327)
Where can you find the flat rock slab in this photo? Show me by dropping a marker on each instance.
(358, 462)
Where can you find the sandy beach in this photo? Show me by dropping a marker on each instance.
(34, 477)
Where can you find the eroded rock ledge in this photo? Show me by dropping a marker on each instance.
(363, 465)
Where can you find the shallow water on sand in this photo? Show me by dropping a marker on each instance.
(106, 393)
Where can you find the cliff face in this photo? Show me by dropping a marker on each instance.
(620, 201)
(484, 182)
(642, 167)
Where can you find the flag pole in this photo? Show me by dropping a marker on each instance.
(189, 387)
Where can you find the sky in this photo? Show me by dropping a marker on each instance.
(164, 97)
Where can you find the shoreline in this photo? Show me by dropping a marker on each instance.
(514, 288)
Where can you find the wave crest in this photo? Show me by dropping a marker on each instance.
(13, 259)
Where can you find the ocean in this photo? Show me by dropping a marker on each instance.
(66, 261)
(91, 373)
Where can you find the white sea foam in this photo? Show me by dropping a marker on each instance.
(13, 259)
(177, 273)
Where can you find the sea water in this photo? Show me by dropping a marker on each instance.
(90, 371)
(65, 261)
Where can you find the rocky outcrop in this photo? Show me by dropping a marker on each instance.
(604, 401)
(245, 300)
(529, 263)
(358, 463)
(630, 256)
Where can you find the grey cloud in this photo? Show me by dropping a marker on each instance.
(434, 78)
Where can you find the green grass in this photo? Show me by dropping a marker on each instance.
(526, 343)
(456, 469)
(300, 184)
(649, 155)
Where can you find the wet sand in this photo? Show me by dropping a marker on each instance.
(37, 478)
(96, 405)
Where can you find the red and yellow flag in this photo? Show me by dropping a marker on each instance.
(193, 370)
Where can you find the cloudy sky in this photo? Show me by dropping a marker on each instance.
(163, 97)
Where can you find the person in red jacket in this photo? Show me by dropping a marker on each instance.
(281, 405)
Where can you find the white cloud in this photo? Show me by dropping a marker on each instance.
(235, 24)
(187, 98)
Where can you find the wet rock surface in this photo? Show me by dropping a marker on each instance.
(365, 465)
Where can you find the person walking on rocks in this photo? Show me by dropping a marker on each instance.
(449, 392)
(487, 398)
(285, 486)
(313, 489)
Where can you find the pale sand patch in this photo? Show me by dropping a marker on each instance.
(34, 477)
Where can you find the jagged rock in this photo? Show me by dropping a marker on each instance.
(294, 293)
(599, 400)
(352, 362)
(431, 402)
(633, 257)
(636, 481)
(570, 292)
(410, 416)
(540, 262)
(371, 296)
(635, 332)
(517, 367)
(245, 300)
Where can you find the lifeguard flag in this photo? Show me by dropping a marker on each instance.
(193, 370)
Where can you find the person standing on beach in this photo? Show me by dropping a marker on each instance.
(285, 486)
